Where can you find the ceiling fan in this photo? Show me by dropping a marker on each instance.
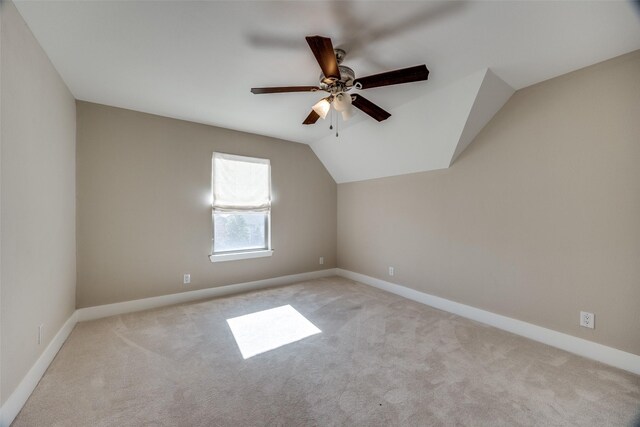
(337, 80)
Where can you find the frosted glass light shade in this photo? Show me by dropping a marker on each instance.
(342, 102)
(322, 108)
(346, 114)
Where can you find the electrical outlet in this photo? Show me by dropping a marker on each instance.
(187, 279)
(391, 271)
(588, 320)
(40, 333)
(321, 260)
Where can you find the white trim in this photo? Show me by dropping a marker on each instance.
(19, 397)
(240, 255)
(589, 349)
(239, 158)
(611, 356)
(100, 311)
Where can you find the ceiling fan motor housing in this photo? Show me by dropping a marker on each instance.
(347, 76)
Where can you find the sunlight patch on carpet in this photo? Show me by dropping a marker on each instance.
(266, 330)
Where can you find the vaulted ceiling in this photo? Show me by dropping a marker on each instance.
(197, 61)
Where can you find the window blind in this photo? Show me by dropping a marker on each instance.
(241, 184)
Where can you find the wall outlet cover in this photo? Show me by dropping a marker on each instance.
(587, 320)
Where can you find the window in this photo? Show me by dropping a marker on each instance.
(241, 207)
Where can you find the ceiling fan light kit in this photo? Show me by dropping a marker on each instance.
(342, 102)
(346, 114)
(322, 107)
(338, 80)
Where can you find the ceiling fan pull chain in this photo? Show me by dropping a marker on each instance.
(331, 121)
(337, 120)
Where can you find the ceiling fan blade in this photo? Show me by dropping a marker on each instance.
(311, 118)
(322, 49)
(404, 75)
(284, 89)
(370, 108)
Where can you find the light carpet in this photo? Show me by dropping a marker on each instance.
(380, 360)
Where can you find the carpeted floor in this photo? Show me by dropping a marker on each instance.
(380, 360)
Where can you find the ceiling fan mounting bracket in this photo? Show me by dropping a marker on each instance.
(340, 54)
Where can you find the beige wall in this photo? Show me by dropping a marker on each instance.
(38, 199)
(144, 210)
(538, 219)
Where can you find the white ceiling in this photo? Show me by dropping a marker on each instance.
(198, 60)
(443, 124)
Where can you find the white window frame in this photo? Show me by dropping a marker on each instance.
(242, 253)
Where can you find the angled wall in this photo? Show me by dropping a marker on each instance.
(491, 96)
(536, 220)
(423, 134)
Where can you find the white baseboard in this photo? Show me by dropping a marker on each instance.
(99, 311)
(589, 349)
(19, 397)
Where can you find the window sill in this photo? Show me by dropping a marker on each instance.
(240, 255)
